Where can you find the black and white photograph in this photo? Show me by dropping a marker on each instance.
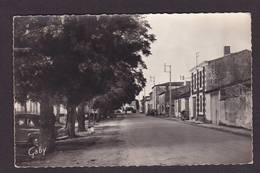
(132, 90)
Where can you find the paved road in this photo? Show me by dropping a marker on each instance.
(153, 141)
(142, 140)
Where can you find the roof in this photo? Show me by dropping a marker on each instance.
(168, 83)
(145, 98)
(235, 54)
(29, 115)
(183, 91)
(228, 70)
(216, 59)
(162, 92)
(199, 65)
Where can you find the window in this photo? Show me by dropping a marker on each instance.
(200, 103)
(195, 83)
(192, 81)
(179, 105)
(200, 79)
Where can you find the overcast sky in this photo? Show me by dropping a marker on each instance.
(180, 36)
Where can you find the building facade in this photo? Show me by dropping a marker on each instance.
(197, 100)
(160, 97)
(30, 106)
(221, 90)
(181, 100)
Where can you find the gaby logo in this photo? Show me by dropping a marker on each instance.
(35, 150)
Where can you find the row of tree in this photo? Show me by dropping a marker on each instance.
(74, 59)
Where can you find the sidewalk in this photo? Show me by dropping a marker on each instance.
(79, 150)
(234, 130)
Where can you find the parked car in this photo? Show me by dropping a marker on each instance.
(130, 110)
(27, 130)
(118, 111)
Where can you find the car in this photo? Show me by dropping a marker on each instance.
(130, 110)
(118, 111)
(27, 130)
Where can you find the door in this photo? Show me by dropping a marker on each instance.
(214, 104)
(194, 106)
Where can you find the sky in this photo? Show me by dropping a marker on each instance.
(180, 36)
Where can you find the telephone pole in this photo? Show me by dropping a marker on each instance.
(152, 79)
(197, 55)
(169, 70)
(197, 73)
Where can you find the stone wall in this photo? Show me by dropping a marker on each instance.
(230, 69)
(236, 105)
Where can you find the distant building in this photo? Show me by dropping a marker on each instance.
(163, 108)
(134, 104)
(160, 96)
(145, 104)
(221, 90)
(181, 97)
(148, 104)
(30, 106)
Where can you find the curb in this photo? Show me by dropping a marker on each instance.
(246, 134)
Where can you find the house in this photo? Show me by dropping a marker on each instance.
(149, 104)
(181, 97)
(160, 96)
(144, 104)
(30, 106)
(197, 100)
(33, 107)
(221, 90)
(163, 108)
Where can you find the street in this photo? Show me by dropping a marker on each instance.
(136, 139)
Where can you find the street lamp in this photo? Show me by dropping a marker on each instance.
(169, 70)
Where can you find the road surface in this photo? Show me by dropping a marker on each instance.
(136, 140)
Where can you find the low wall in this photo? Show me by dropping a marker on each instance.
(236, 106)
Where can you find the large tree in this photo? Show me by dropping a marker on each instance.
(76, 57)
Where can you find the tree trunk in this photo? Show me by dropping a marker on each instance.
(98, 115)
(81, 118)
(47, 125)
(71, 118)
(58, 113)
(24, 106)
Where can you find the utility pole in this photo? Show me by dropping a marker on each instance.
(197, 73)
(152, 79)
(170, 84)
(197, 56)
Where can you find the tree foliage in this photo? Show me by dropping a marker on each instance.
(80, 58)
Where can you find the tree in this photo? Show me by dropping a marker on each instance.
(76, 57)
(29, 84)
(33, 72)
(94, 47)
(123, 90)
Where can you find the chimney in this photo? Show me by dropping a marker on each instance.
(226, 50)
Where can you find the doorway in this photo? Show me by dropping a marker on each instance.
(194, 107)
(214, 104)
